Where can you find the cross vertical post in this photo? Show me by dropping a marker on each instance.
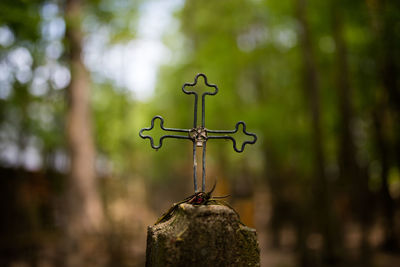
(199, 134)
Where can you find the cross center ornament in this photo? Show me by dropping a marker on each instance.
(199, 134)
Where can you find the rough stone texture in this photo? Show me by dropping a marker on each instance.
(203, 235)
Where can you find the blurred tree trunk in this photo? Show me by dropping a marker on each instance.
(384, 15)
(390, 38)
(390, 61)
(84, 209)
(350, 169)
(386, 199)
(348, 165)
(311, 88)
(324, 215)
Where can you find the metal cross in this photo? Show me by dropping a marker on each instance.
(198, 134)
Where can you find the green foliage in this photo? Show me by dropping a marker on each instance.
(119, 17)
(245, 49)
(113, 114)
(22, 16)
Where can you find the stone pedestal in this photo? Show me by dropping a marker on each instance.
(202, 235)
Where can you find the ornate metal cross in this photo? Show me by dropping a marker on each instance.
(198, 134)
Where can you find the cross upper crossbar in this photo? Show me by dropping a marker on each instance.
(198, 134)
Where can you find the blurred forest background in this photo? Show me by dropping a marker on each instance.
(317, 81)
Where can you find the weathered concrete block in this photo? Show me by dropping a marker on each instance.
(205, 235)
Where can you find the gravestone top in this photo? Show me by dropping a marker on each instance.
(205, 235)
(198, 134)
